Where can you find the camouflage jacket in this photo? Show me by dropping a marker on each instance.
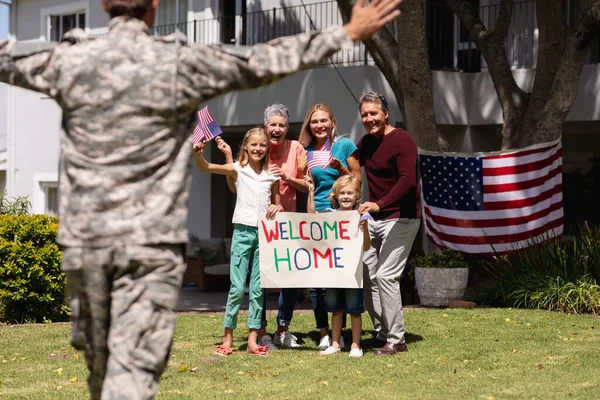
(129, 104)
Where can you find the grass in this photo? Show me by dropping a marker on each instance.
(453, 354)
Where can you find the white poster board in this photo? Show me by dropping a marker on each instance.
(300, 250)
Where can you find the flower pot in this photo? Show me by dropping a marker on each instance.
(439, 286)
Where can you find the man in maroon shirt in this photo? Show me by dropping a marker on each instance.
(389, 157)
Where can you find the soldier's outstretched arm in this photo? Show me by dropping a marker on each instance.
(34, 70)
(214, 70)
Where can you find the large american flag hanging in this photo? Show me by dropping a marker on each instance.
(493, 202)
(207, 127)
(320, 158)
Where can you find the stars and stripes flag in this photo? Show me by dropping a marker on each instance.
(320, 158)
(493, 202)
(207, 127)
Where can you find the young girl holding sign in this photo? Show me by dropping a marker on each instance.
(257, 196)
(345, 196)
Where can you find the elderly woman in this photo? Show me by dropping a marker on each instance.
(319, 127)
(389, 157)
(288, 162)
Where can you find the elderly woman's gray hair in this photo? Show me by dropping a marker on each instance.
(374, 97)
(278, 110)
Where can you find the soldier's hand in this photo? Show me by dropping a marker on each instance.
(365, 21)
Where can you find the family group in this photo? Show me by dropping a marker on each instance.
(267, 175)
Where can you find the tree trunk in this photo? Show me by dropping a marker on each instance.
(405, 66)
(415, 76)
(536, 117)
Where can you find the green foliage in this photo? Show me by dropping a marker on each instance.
(556, 275)
(18, 205)
(446, 259)
(32, 287)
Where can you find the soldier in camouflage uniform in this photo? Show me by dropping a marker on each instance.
(129, 102)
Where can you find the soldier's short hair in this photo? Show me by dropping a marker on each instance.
(130, 8)
(278, 110)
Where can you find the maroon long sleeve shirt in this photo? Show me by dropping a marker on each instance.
(390, 163)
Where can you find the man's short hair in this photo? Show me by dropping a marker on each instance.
(129, 8)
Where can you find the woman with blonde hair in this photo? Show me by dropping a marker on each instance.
(319, 130)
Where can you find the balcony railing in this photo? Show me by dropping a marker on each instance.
(449, 44)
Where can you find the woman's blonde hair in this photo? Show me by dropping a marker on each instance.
(341, 182)
(243, 156)
(306, 135)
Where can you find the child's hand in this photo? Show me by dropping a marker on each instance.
(272, 210)
(309, 181)
(364, 225)
(223, 146)
(198, 148)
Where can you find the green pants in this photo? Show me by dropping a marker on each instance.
(244, 256)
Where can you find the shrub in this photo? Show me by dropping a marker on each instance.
(555, 275)
(32, 287)
(14, 206)
(448, 258)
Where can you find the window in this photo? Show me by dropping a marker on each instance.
(61, 24)
(51, 198)
(171, 12)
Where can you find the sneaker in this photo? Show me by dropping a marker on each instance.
(267, 342)
(356, 353)
(285, 339)
(330, 351)
(325, 343)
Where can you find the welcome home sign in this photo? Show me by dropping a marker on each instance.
(311, 250)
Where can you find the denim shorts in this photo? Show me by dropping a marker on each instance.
(348, 300)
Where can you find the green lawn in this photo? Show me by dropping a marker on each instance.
(453, 354)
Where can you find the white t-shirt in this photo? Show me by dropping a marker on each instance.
(253, 195)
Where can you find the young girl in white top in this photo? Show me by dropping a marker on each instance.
(257, 196)
(345, 196)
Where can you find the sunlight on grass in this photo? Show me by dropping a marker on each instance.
(481, 353)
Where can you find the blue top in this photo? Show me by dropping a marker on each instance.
(324, 179)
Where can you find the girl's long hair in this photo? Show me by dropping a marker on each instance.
(306, 135)
(342, 181)
(243, 157)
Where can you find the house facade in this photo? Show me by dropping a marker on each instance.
(466, 105)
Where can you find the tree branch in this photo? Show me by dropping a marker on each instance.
(383, 47)
(566, 84)
(512, 99)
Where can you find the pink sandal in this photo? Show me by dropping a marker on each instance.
(223, 350)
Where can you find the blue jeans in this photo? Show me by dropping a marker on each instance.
(319, 303)
(287, 302)
(348, 300)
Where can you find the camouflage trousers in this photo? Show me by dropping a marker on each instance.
(123, 301)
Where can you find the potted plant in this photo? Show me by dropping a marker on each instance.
(440, 277)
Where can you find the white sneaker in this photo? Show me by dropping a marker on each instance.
(325, 343)
(356, 353)
(286, 339)
(330, 351)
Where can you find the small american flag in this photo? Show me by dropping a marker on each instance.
(320, 158)
(207, 127)
(493, 202)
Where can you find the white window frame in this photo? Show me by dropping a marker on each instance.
(41, 182)
(64, 9)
